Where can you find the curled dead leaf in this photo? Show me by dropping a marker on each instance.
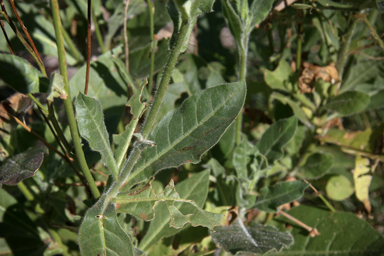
(311, 73)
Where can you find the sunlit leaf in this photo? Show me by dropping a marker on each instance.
(339, 188)
(278, 79)
(362, 177)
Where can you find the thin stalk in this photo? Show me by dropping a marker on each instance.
(43, 109)
(149, 123)
(98, 32)
(312, 231)
(88, 47)
(25, 191)
(299, 43)
(345, 48)
(58, 129)
(68, 102)
(372, 19)
(328, 204)
(75, 52)
(6, 36)
(153, 44)
(126, 36)
(373, 31)
(270, 37)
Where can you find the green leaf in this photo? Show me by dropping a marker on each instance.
(234, 21)
(56, 87)
(22, 166)
(215, 166)
(284, 192)
(123, 140)
(101, 234)
(299, 113)
(194, 189)
(273, 140)
(278, 79)
(341, 234)
(328, 3)
(348, 103)
(255, 238)
(339, 188)
(260, 10)
(21, 75)
(184, 134)
(362, 177)
(16, 227)
(316, 166)
(90, 119)
(141, 205)
(106, 84)
(242, 157)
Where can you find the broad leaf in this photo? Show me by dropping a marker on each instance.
(362, 176)
(339, 188)
(273, 140)
(141, 205)
(195, 189)
(242, 157)
(21, 75)
(123, 140)
(22, 166)
(101, 234)
(279, 78)
(184, 134)
(260, 10)
(255, 238)
(316, 166)
(341, 234)
(284, 192)
(348, 103)
(90, 119)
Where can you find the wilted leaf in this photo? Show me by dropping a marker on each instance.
(317, 165)
(348, 103)
(21, 75)
(22, 166)
(141, 205)
(255, 238)
(184, 134)
(284, 192)
(90, 119)
(273, 140)
(339, 188)
(362, 177)
(341, 234)
(101, 234)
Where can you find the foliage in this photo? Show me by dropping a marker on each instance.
(195, 129)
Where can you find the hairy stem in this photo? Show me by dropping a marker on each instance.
(153, 45)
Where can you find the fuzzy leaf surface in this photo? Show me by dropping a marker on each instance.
(238, 238)
(22, 166)
(101, 234)
(90, 119)
(348, 103)
(341, 234)
(260, 10)
(242, 157)
(284, 192)
(271, 143)
(184, 134)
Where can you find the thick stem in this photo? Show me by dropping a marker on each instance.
(68, 102)
(153, 45)
(25, 191)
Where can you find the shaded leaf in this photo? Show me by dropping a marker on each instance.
(284, 192)
(339, 188)
(184, 134)
(242, 157)
(101, 234)
(341, 234)
(362, 177)
(22, 166)
(215, 166)
(90, 120)
(278, 79)
(21, 75)
(56, 87)
(348, 103)
(195, 189)
(273, 140)
(316, 166)
(255, 238)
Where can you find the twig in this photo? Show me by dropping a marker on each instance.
(312, 231)
(321, 197)
(370, 57)
(88, 47)
(78, 184)
(126, 36)
(6, 36)
(372, 30)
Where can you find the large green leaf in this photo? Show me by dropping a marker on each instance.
(284, 192)
(348, 103)
(106, 84)
(101, 234)
(22, 166)
(273, 140)
(238, 238)
(184, 134)
(21, 75)
(260, 10)
(341, 234)
(90, 120)
(317, 165)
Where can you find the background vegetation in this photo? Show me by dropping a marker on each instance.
(200, 127)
